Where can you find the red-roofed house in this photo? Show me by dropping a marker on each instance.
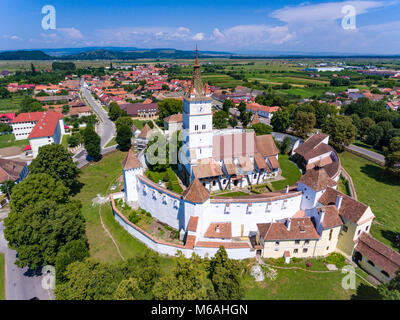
(41, 128)
(6, 117)
(262, 111)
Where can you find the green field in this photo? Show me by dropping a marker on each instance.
(290, 172)
(11, 104)
(8, 140)
(295, 284)
(376, 188)
(2, 277)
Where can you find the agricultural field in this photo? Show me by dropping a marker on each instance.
(11, 104)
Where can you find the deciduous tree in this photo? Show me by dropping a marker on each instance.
(55, 160)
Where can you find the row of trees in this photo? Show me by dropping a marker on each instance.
(304, 118)
(45, 225)
(143, 278)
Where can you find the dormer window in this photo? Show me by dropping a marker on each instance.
(249, 208)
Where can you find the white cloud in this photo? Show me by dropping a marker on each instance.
(198, 36)
(12, 37)
(323, 12)
(70, 33)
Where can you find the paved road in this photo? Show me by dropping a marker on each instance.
(378, 157)
(106, 128)
(20, 285)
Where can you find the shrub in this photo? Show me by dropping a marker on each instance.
(134, 217)
(337, 259)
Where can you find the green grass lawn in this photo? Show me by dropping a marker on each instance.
(8, 140)
(97, 179)
(298, 284)
(232, 194)
(2, 277)
(139, 124)
(376, 188)
(290, 172)
(112, 142)
(172, 184)
(64, 140)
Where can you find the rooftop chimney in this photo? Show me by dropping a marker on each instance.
(322, 215)
(339, 200)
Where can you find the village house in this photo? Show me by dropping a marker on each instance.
(262, 111)
(141, 110)
(12, 170)
(41, 128)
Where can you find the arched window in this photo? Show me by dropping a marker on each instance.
(371, 263)
(385, 274)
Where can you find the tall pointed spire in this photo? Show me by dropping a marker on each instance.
(196, 61)
(196, 88)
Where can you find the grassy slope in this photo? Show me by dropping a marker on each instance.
(380, 191)
(2, 277)
(97, 179)
(289, 171)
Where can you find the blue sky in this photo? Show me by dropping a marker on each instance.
(251, 25)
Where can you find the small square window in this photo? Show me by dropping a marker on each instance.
(295, 250)
(305, 250)
(277, 243)
(297, 242)
(307, 242)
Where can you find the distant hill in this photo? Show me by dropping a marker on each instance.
(24, 55)
(102, 54)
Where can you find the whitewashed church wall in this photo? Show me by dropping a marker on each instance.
(239, 214)
(161, 205)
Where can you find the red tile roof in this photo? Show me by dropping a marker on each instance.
(331, 217)
(196, 192)
(350, 209)
(300, 228)
(317, 179)
(380, 254)
(221, 230)
(46, 126)
(192, 225)
(28, 117)
(131, 161)
(174, 118)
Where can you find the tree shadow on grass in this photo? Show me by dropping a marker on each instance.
(391, 236)
(76, 188)
(380, 174)
(365, 292)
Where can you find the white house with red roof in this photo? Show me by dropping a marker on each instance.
(41, 128)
